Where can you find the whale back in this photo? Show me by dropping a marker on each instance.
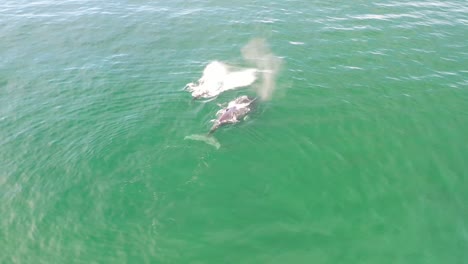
(233, 113)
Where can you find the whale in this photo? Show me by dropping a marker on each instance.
(234, 112)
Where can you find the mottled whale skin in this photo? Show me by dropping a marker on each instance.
(233, 113)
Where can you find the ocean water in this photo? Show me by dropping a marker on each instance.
(359, 156)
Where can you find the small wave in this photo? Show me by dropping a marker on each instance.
(296, 43)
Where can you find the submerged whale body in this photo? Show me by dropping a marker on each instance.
(217, 78)
(233, 113)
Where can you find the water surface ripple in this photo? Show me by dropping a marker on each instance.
(358, 157)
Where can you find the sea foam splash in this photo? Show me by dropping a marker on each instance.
(217, 78)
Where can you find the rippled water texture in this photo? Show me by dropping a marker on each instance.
(359, 155)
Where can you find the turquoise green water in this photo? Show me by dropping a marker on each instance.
(359, 157)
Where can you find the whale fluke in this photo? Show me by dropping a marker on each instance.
(205, 138)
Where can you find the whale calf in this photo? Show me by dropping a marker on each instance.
(233, 112)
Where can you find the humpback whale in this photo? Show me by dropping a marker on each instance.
(233, 112)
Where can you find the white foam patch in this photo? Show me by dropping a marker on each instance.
(217, 78)
(210, 140)
(296, 43)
